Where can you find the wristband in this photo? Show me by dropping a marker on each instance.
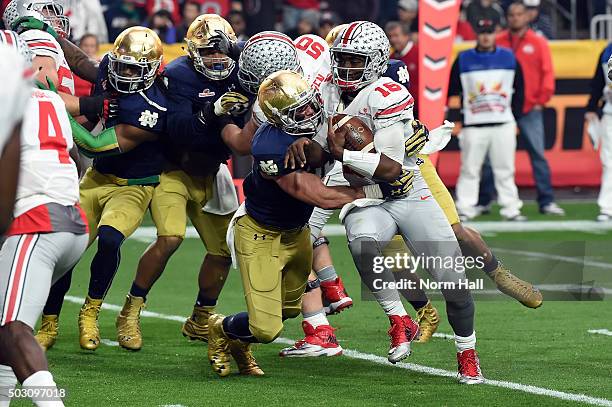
(364, 164)
(91, 105)
(373, 191)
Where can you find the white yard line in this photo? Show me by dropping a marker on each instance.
(567, 259)
(600, 331)
(108, 342)
(353, 354)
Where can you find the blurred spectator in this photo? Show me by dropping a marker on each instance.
(121, 16)
(490, 81)
(405, 50)
(601, 132)
(407, 12)
(171, 6)
(86, 17)
(293, 11)
(90, 45)
(161, 23)
(534, 55)
(260, 16)
(465, 32)
(485, 10)
(328, 21)
(238, 23)
(539, 22)
(191, 10)
(356, 10)
(308, 24)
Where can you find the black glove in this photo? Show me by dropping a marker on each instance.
(207, 117)
(105, 106)
(222, 43)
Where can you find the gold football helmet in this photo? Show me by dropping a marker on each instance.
(291, 104)
(134, 60)
(331, 36)
(200, 50)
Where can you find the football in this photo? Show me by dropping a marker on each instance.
(358, 137)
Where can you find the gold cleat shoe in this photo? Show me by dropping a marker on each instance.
(511, 285)
(89, 333)
(196, 326)
(428, 319)
(218, 346)
(243, 355)
(128, 323)
(47, 334)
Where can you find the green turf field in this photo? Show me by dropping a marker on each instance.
(549, 348)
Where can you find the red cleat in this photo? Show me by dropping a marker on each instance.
(403, 331)
(317, 342)
(469, 367)
(336, 295)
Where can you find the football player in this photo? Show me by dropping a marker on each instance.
(49, 231)
(269, 234)
(117, 190)
(359, 58)
(196, 182)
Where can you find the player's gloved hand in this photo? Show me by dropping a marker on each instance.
(398, 188)
(105, 106)
(233, 103)
(207, 117)
(296, 153)
(222, 43)
(23, 24)
(420, 135)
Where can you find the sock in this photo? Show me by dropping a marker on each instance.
(8, 381)
(393, 308)
(55, 300)
(137, 291)
(418, 304)
(106, 261)
(237, 327)
(491, 265)
(42, 378)
(327, 273)
(465, 342)
(204, 301)
(316, 318)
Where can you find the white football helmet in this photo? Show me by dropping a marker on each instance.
(264, 54)
(13, 40)
(366, 40)
(49, 11)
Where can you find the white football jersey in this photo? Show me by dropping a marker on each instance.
(379, 105)
(315, 61)
(14, 92)
(47, 173)
(43, 44)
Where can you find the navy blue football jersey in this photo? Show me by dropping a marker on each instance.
(266, 202)
(191, 145)
(398, 71)
(146, 110)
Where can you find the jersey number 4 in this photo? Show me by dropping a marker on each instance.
(387, 88)
(312, 48)
(51, 140)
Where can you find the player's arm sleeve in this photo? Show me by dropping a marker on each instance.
(598, 82)
(104, 144)
(79, 62)
(518, 97)
(548, 74)
(454, 83)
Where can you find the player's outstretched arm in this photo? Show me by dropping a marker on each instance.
(78, 61)
(308, 188)
(9, 171)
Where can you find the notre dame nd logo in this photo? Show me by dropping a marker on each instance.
(268, 167)
(148, 119)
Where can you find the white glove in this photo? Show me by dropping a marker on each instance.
(233, 103)
(438, 138)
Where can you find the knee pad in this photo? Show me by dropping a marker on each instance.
(268, 333)
(109, 238)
